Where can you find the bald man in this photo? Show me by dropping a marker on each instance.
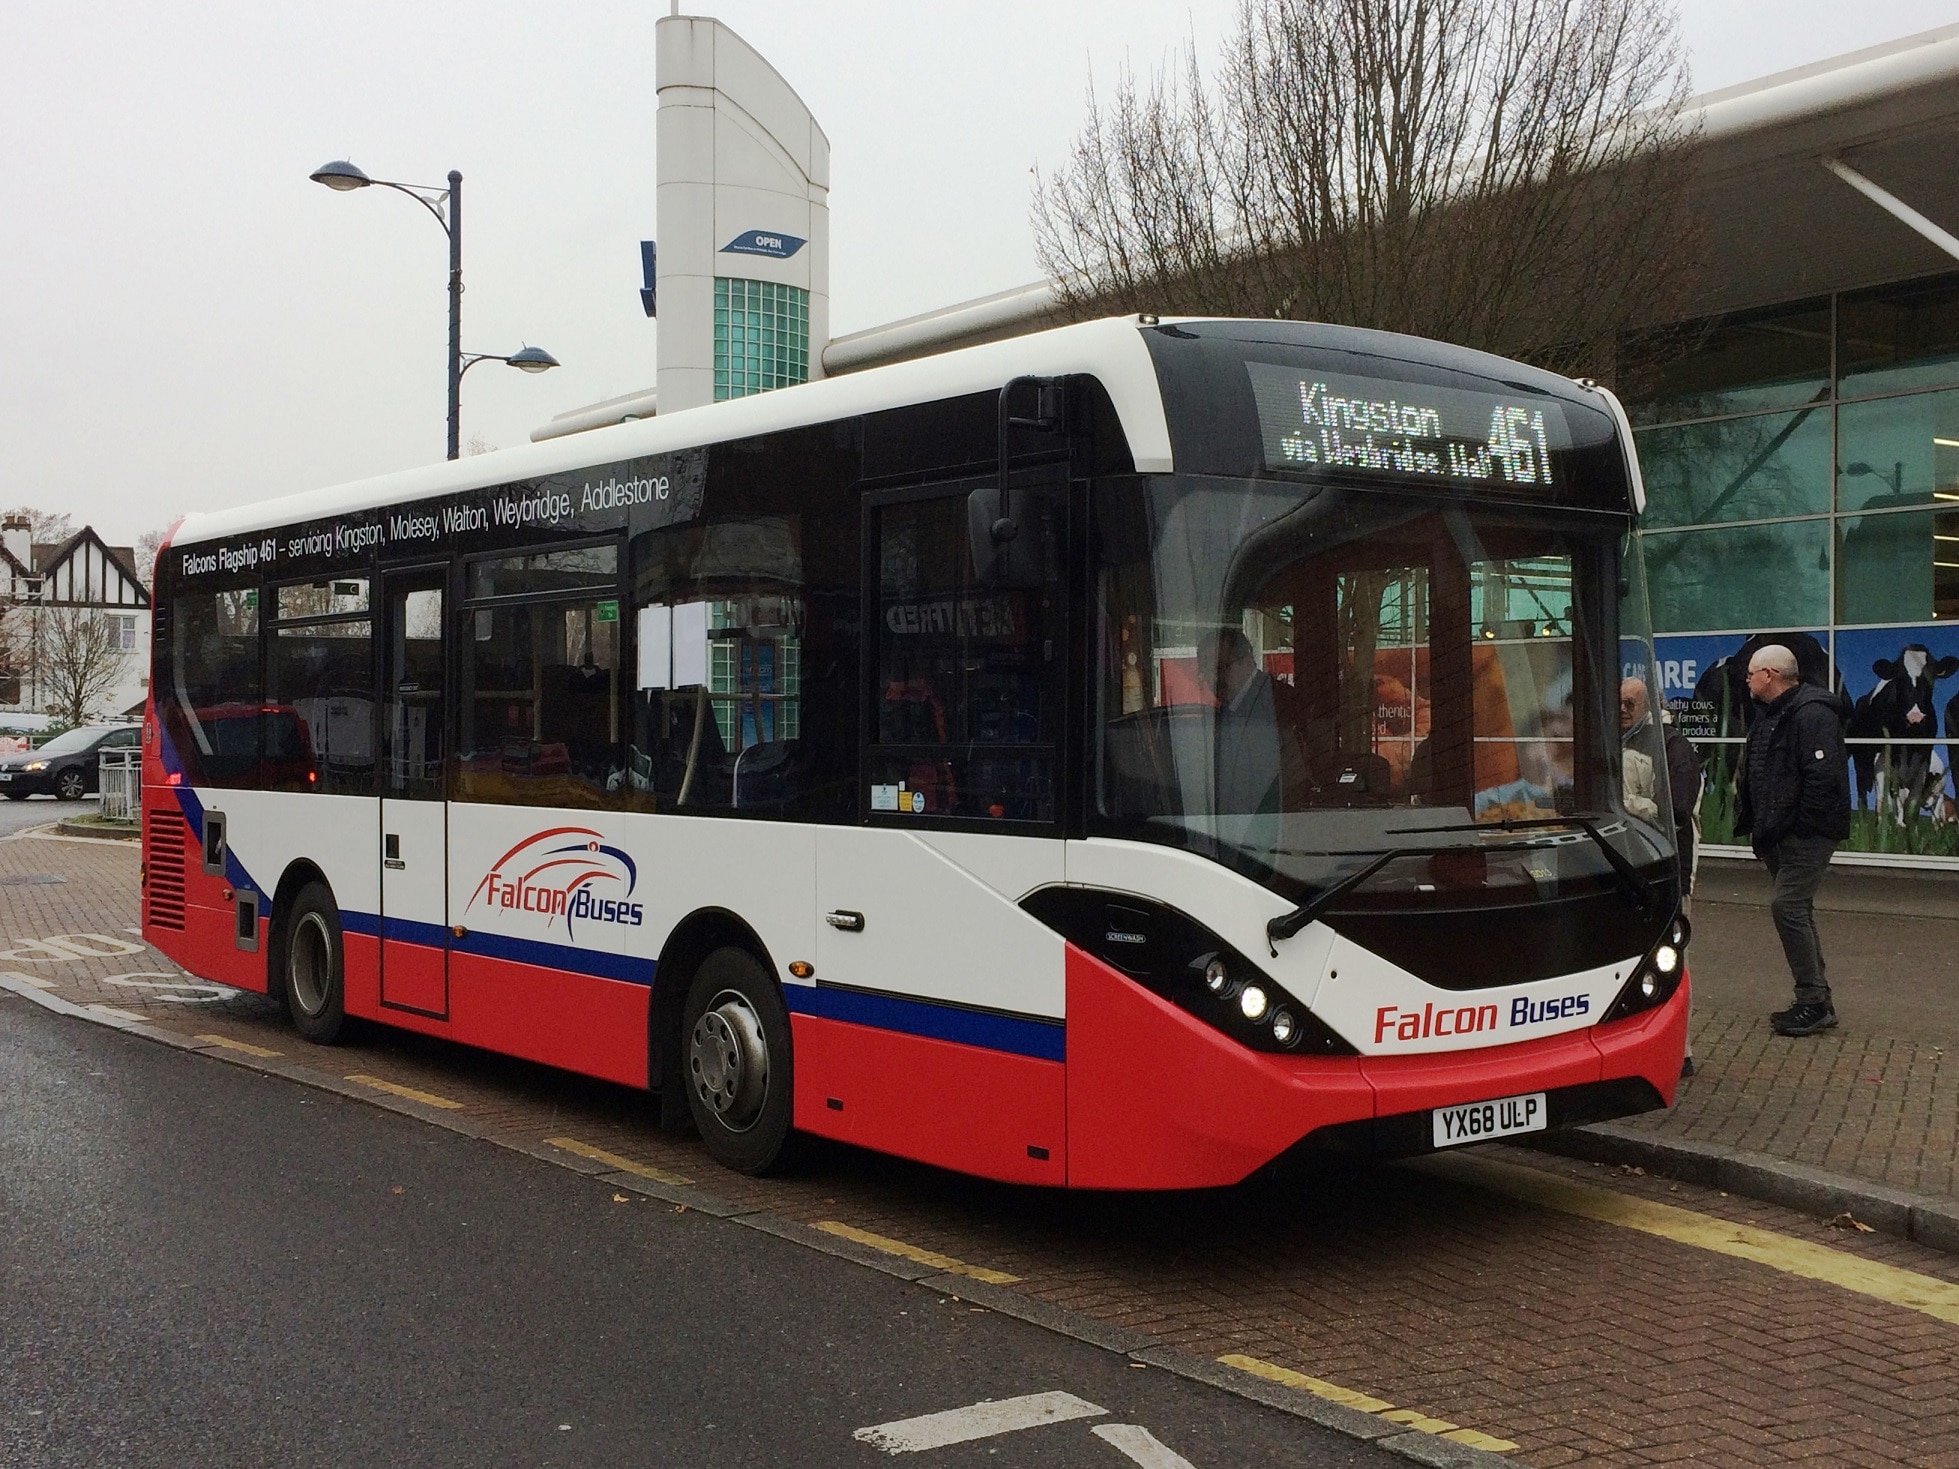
(1794, 808)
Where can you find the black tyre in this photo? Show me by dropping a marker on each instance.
(736, 1062)
(70, 785)
(313, 973)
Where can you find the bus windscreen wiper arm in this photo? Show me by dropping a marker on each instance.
(1637, 890)
(1286, 926)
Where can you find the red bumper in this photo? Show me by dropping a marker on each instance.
(1159, 1100)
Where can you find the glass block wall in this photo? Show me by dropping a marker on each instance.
(1802, 474)
(761, 337)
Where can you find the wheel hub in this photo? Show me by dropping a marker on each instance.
(728, 1061)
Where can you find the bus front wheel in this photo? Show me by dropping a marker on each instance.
(315, 974)
(737, 1071)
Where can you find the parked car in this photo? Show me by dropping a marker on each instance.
(68, 766)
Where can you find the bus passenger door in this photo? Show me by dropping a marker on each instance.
(414, 836)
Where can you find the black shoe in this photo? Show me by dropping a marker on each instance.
(1800, 1020)
(1686, 1066)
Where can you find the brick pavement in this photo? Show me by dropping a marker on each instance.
(1877, 1098)
(1580, 1341)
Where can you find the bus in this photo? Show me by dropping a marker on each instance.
(1119, 757)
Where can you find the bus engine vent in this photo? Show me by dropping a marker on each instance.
(163, 887)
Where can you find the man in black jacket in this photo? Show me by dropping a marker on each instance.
(1795, 807)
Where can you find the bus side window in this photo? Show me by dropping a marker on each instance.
(718, 701)
(211, 711)
(317, 724)
(539, 669)
(968, 683)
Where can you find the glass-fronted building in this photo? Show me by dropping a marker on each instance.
(1802, 473)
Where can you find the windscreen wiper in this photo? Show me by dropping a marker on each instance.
(1288, 925)
(1638, 891)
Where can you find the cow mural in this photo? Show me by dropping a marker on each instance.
(1723, 685)
(1900, 777)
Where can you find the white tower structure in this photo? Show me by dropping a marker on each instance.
(743, 220)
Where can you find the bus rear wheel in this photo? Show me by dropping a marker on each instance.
(315, 974)
(737, 1062)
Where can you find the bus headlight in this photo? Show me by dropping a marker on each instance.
(1649, 984)
(1177, 959)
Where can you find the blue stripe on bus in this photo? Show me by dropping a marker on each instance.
(494, 946)
(193, 809)
(1046, 1040)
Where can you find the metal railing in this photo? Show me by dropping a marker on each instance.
(122, 783)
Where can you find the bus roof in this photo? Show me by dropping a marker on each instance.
(1111, 351)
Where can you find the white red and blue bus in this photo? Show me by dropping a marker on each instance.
(1117, 757)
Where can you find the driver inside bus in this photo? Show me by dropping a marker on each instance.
(1248, 767)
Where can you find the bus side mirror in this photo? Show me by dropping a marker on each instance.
(1018, 560)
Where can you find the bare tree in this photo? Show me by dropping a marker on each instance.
(51, 527)
(147, 545)
(81, 659)
(1506, 174)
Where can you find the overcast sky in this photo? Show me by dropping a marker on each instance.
(191, 324)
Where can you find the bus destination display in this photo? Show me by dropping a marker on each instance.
(1414, 430)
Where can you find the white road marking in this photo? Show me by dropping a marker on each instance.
(64, 948)
(189, 991)
(1140, 1445)
(980, 1420)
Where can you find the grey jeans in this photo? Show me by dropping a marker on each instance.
(1797, 864)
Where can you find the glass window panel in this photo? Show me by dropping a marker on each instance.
(969, 692)
(320, 708)
(541, 710)
(1775, 574)
(211, 713)
(338, 596)
(1900, 337)
(1898, 451)
(588, 567)
(1771, 359)
(1898, 568)
(1737, 468)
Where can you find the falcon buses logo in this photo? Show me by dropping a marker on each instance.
(561, 873)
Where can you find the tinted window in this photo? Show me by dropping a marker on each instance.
(745, 679)
(321, 685)
(587, 568)
(541, 709)
(968, 687)
(1769, 359)
(210, 712)
(1898, 337)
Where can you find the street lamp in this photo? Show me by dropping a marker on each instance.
(446, 205)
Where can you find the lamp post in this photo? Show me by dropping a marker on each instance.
(446, 205)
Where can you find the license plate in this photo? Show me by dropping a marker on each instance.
(1478, 1122)
(6, 775)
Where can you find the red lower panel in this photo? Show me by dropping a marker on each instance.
(1649, 1045)
(415, 975)
(1443, 1078)
(208, 948)
(1158, 1099)
(360, 961)
(576, 1021)
(963, 1107)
